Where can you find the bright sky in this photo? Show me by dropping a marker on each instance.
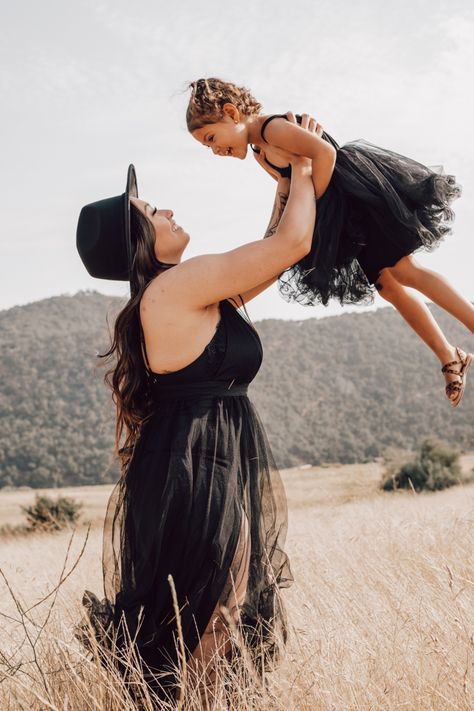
(90, 86)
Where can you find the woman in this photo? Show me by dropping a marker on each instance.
(199, 508)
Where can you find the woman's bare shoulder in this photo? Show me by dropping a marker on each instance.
(174, 334)
(159, 304)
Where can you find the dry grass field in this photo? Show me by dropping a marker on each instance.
(381, 612)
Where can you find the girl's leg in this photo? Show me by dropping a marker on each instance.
(420, 318)
(417, 314)
(409, 273)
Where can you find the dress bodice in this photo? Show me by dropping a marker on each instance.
(232, 357)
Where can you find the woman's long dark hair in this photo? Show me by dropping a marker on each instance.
(128, 377)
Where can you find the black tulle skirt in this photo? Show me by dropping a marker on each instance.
(202, 502)
(379, 207)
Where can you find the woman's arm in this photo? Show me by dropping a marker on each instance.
(290, 137)
(202, 281)
(281, 198)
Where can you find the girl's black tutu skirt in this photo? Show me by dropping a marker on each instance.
(379, 207)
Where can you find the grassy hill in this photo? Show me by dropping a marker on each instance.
(339, 389)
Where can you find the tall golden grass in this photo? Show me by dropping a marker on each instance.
(381, 612)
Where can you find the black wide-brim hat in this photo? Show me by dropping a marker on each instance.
(103, 236)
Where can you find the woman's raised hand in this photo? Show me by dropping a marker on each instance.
(307, 122)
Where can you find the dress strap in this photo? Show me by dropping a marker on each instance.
(242, 305)
(284, 172)
(298, 117)
(246, 312)
(242, 302)
(267, 121)
(143, 348)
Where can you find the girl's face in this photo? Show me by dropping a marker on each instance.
(227, 137)
(170, 239)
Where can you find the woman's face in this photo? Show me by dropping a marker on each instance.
(227, 137)
(170, 239)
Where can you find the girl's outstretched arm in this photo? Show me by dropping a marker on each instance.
(290, 137)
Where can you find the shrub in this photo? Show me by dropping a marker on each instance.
(52, 514)
(435, 467)
(393, 460)
(9, 530)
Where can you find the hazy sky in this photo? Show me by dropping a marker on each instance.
(89, 86)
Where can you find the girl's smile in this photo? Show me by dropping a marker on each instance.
(227, 137)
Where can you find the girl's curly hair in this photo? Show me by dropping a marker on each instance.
(208, 97)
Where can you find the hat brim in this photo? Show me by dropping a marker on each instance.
(131, 190)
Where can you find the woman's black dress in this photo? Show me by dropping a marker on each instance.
(379, 207)
(202, 501)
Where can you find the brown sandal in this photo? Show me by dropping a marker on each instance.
(457, 386)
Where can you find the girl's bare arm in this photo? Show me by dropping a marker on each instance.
(292, 138)
(308, 123)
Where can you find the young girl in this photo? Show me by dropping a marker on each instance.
(374, 212)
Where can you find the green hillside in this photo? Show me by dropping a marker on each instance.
(340, 389)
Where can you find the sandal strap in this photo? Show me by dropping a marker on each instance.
(455, 372)
(461, 361)
(453, 387)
